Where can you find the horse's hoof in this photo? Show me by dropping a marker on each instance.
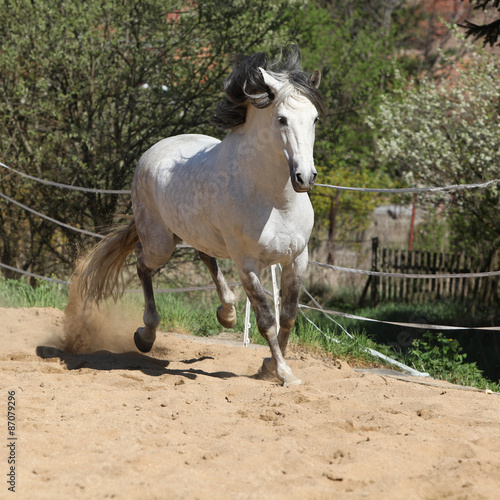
(268, 370)
(142, 344)
(229, 321)
(290, 379)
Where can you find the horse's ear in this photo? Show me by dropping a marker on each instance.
(271, 82)
(316, 78)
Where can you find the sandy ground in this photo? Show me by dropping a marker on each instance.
(192, 420)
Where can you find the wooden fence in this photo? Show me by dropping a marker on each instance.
(473, 291)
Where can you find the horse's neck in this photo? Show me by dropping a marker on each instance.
(260, 166)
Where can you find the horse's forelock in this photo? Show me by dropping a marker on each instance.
(303, 84)
(246, 83)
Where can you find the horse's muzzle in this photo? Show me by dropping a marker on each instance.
(303, 183)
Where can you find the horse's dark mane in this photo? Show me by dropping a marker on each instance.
(245, 83)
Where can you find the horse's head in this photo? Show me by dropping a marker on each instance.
(293, 123)
(291, 101)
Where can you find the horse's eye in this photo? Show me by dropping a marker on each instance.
(283, 120)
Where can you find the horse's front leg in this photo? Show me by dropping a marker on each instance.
(267, 326)
(291, 282)
(226, 313)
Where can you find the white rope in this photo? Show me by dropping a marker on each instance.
(276, 298)
(159, 290)
(65, 186)
(248, 325)
(33, 275)
(321, 309)
(332, 339)
(55, 221)
(83, 231)
(397, 323)
(374, 353)
(403, 275)
(431, 189)
(408, 369)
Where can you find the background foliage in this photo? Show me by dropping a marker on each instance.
(86, 88)
(439, 132)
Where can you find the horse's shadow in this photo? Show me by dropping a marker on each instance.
(133, 361)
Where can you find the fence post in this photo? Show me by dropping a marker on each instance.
(375, 279)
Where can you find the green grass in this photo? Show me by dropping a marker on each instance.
(190, 316)
(17, 293)
(195, 313)
(451, 355)
(328, 336)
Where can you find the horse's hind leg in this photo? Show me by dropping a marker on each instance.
(145, 336)
(147, 261)
(226, 313)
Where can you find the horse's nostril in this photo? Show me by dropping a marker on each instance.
(315, 176)
(299, 179)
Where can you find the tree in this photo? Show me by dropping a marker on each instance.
(353, 44)
(87, 87)
(343, 213)
(489, 31)
(445, 132)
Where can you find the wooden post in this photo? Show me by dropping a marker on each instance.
(375, 279)
(331, 230)
(412, 223)
(489, 281)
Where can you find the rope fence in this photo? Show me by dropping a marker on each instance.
(429, 189)
(319, 264)
(33, 275)
(373, 352)
(397, 323)
(327, 266)
(403, 275)
(46, 217)
(64, 186)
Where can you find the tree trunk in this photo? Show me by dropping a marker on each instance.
(331, 230)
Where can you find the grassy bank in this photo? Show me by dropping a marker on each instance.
(467, 357)
(194, 312)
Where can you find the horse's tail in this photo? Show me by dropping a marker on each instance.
(99, 274)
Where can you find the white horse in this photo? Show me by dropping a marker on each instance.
(243, 198)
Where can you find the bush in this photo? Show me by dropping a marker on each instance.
(443, 358)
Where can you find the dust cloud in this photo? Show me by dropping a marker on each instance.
(89, 328)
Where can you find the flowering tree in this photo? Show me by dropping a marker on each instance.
(448, 132)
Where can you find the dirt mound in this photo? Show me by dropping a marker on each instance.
(191, 420)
